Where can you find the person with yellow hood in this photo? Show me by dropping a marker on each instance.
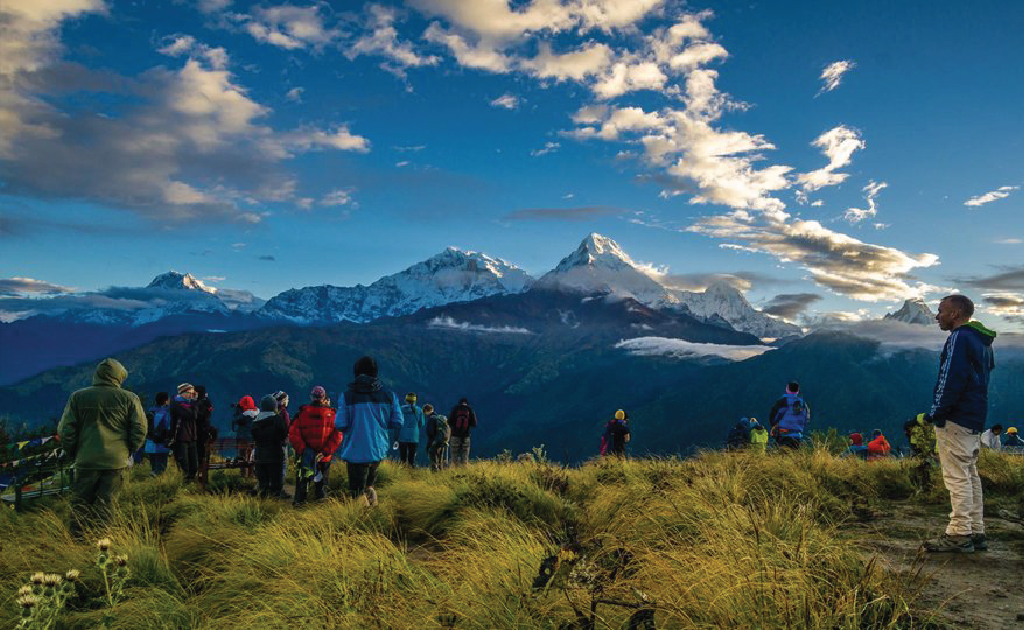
(758, 437)
(100, 428)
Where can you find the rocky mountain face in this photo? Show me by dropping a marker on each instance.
(913, 311)
(451, 276)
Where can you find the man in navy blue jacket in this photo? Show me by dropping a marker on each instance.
(959, 414)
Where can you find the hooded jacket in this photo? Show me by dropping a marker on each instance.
(759, 438)
(412, 422)
(183, 420)
(961, 394)
(878, 448)
(367, 419)
(103, 425)
(269, 434)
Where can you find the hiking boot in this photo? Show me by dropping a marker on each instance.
(979, 542)
(371, 496)
(948, 543)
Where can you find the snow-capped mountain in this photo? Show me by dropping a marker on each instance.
(180, 281)
(451, 276)
(600, 265)
(914, 311)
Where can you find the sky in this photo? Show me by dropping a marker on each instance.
(830, 159)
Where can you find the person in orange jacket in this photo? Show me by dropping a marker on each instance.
(878, 448)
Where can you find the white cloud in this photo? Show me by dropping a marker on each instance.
(213, 6)
(21, 286)
(508, 101)
(402, 164)
(833, 74)
(1008, 241)
(838, 144)
(383, 40)
(550, 147)
(451, 324)
(295, 95)
(290, 27)
(678, 348)
(856, 215)
(993, 195)
(337, 197)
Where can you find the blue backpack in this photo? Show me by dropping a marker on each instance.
(793, 418)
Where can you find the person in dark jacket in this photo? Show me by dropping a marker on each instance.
(269, 434)
(617, 435)
(282, 399)
(461, 420)
(157, 433)
(960, 399)
(438, 435)
(204, 412)
(101, 427)
(739, 436)
(183, 431)
(366, 420)
(789, 417)
(314, 439)
(242, 423)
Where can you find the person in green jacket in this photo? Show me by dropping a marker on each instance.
(101, 427)
(758, 438)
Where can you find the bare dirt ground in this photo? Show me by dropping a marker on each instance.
(983, 590)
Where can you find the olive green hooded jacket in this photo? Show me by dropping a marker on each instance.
(103, 425)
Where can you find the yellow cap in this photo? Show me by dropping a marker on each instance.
(1012, 429)
(620, 414)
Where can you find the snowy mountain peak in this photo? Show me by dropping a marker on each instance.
(723, 289)
(597, 251)
(176, 280)
(913, 311)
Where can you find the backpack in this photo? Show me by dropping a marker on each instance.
(794, 417)
(442, 432)
(462, 417)
(157, 433)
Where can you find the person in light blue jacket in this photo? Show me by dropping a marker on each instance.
(366, 421)
(413, 421)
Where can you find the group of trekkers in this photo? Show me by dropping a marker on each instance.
(104, 425)
(788, 422)
(369, 421)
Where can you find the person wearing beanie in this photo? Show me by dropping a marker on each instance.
(242, 423)
(857, 446)
(462, 418)
(269, 435)
(413, 421)
(100, 428)
(617, 435)
(183, 432)
(438, 434)
(758, 437)
(789, 417)
(739, 436)
(367, 417)
(282, 399)
(879, 447)
(158, 425)
(314, 439)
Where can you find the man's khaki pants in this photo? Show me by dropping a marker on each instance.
(959, 456)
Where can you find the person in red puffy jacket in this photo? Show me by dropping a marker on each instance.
(878, 448)
(315, 439)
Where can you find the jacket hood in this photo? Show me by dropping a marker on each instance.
(985, 334)
(365, 383)
(110, 372)
(265, 414)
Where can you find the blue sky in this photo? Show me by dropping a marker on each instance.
(855, 152)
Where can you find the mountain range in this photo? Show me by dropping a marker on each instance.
(453, 288)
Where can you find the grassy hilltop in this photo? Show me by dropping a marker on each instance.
(718, 541)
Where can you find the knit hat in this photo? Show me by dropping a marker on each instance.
(268, 403)
(247, 403)
(428, 408)
(185, 387)
(281, 397)
(856, 439)
(620, 414)
(411, 397)
(365, 365)
(1012, 430)
(753, 421)
(318, 393)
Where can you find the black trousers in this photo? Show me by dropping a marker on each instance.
(187, 458)
(361, 476)
(302, 484)
(268, 478)
(407, 453)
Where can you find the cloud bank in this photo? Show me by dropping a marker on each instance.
(678, 348)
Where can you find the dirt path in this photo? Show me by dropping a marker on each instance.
(983, 590)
